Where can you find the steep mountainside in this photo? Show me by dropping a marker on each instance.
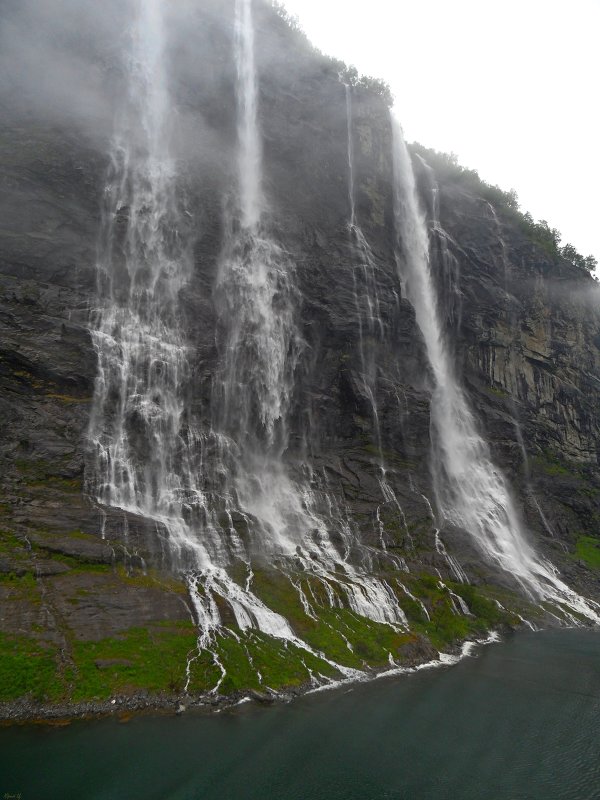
(93, 603)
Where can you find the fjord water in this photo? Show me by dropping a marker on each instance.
(517, 722)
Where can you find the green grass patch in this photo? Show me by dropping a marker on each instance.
(587, 549)
(152, 658)
(155, 658)
(446, 627)
(25, 583)
(12, 545)
(40, 473)
(256, 661)
(370, 642)
(27, 669)
(77, 565)
(480, 606)
(552, 465)
(151, 579)
(277, 592)
(21, 587)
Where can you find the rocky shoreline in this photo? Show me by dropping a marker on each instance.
(25, 711)
(29, 712)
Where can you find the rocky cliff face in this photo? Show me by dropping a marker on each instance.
(87, 592)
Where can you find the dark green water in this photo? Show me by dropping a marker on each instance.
(521, 721)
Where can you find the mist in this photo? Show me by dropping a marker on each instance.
(62, 66)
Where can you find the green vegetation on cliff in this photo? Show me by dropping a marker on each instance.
(347, 73)
(448, 169)
(51, 651)
(587, 549)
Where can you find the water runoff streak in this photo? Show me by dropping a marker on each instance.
(471, 491)
(371, 327)
(505, 264)
(218, 489)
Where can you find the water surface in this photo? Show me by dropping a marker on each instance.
(521, 721)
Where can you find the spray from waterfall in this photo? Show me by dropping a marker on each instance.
(138, 415)
(471, 492)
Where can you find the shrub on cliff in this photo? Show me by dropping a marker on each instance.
(447, 168)
(347, 73)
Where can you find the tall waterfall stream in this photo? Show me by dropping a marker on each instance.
(471, 491)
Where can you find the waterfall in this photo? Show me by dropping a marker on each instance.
(255, 293)
(256, 300)
(471, 491)
(289, 512)
(217, 486)
(138, 414)
(350, 152)
(249, 152)
(147, 451)
(222, 486)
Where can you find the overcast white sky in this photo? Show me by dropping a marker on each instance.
(512, 87)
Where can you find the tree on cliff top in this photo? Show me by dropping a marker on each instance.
(447, 168)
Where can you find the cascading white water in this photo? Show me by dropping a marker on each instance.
(471, 491)
(150, 455)
(256, 299)
(249, 153)
(138, 413)
(256, 295)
